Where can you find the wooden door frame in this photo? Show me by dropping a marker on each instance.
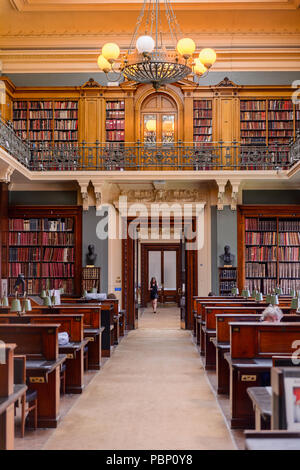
(145, 248)
(128, 298)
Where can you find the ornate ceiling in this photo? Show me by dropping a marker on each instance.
(66, 35)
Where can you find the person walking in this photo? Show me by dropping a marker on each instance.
(153, 293)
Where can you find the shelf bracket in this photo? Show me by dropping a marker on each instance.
(221, 193)
(234, 194)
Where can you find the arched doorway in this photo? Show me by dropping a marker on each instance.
(159, 120)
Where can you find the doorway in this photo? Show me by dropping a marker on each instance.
(162, 261)
(159, 120)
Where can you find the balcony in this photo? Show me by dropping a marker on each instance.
(231, 156)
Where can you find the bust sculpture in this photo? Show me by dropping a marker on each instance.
(227, 258)
(91, 256)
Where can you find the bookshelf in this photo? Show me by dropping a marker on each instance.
(269, 248)
(202, 121)
(48, 122)
(44, 243)
(90, 278)
(115, 121)
(227, 280)
(253, 122)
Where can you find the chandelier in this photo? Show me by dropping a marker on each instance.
(148, 59)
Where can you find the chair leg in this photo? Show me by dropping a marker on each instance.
(23, 417)
(35, 414)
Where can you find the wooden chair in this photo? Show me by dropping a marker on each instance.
(29, 399)
(63, 378)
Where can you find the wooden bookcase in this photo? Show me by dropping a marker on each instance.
(115, 121)
(45, 244)
(47, 121)
(202, 123)
(269, 247)
(227, 279)
(91, 278)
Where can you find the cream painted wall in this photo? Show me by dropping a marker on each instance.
(115, 259)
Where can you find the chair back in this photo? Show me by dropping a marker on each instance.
(19, 369)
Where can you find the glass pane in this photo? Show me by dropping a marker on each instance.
(170, 270)
(168, 128)
(155, 267)
(150, 128)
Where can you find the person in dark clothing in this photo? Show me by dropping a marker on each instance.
(153, 293)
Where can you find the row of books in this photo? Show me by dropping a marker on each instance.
(24, 224)
(45, 224)
(67, 135)
(65, 114)
(115, 124)
(202, 122)
(289, 284)
(284, 115)
(263, 253)
(40, 115)
(40, 135)
(23, 238)
(261, 270)
(289, 253)
(228, 274)
(203, 138)
(252, 105)
(34, 286)
(117, 136)
(20, 114)
(257, 224)
(280, 105)
(269, 285)
(40, 104)
(115, 105)
(88, 284)
(57, 238)
(20, 125)
(246, 133)
(281, 125)
(57, 269)
(249, 125)
(66, 125)
(255, 284)
(253, 115)
(66, 104)
(202, 131)
(290, 270)
(24, 254)
(280, 133)
(260, 238)
(202, 114)
(227, 285)
(58, 254)
(289, 238)
(90, 273)
(28, 269)
(41, 124)
(202, 104)
(111, 114)
(253, 140)
(289, 225)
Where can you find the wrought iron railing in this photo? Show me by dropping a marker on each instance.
(140, 156)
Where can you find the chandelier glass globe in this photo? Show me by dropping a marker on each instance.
(208, 57)
(186, 47)
(103, 64)
(199, 68)
(110, 51)
(145, 44)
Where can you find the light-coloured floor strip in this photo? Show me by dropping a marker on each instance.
(151, 394)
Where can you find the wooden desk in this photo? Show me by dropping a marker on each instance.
(40, 345)
(252, 346)
(74, 350)
(9, 394)
(261, 398)
(272, 440)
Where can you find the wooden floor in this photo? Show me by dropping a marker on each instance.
(151, 394)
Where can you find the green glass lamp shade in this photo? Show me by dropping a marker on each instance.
(16, 306)
(27, 305)
(295, 303)
(53, 300)
(268, 298)
(47, 301)
(259, 297)
(94, 290)
(5, 302)
(278, 290)
(43, 294)
(84, 293)
(61, 290)
(235, 291)
(254, 292)
(293, 293)
(274, 299)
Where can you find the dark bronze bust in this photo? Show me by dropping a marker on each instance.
(91, 256)
(227, 259)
